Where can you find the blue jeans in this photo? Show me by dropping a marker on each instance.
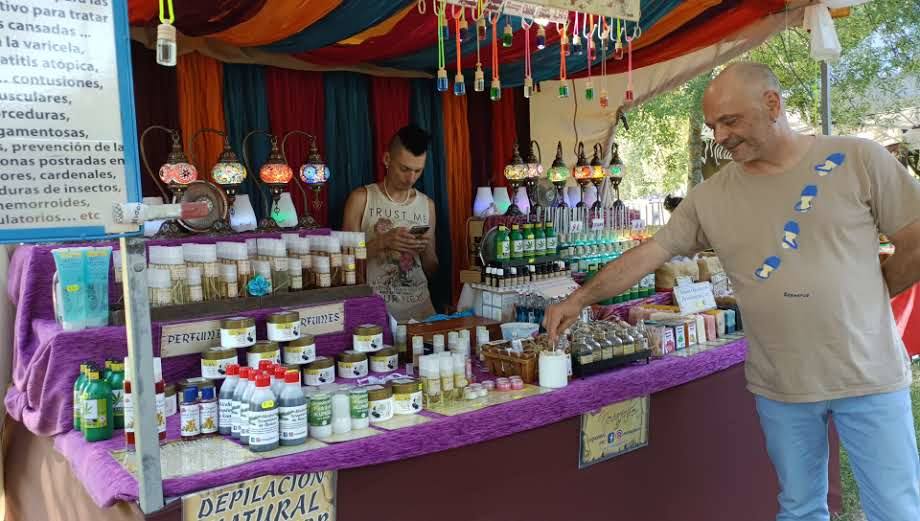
(878, 434)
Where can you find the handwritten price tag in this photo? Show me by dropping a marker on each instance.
(694, 297)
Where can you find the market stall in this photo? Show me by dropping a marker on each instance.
(253, 275)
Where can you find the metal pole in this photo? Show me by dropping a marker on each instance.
(143, 391)
(825, 98)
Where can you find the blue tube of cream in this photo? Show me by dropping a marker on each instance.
(71, 273)
(97, 286)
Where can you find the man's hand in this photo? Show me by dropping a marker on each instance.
(400, 240)
(560, 316)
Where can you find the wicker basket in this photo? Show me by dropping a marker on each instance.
(502, 360)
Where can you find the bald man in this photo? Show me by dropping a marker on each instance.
(795, 221)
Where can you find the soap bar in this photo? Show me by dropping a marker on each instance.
(661, 338)
(729, 321)
(711, 329)
(700, 328)
(691, 332)
(680, 335)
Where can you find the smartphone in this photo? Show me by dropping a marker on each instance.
(419, 230)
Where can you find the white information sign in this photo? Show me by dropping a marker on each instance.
(67, 130)
(694, 297)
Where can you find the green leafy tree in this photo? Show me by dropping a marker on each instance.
(878, 73)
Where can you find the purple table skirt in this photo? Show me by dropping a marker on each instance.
(107, 482)
(46, 359)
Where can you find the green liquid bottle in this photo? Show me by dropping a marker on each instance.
(107, 373)
(117, 383)
(78, 386)
(539, 241)
(98, 409)
(517, 242)
(552, 242)
(529, 242)
(502, 244)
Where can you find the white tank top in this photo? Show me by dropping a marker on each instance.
(397, 277)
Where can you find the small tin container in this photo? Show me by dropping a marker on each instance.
(380, 403)
(319, 372)
(300, 351)
(283, 326)
(367, 338)
(352, 364)
(237, 332)
(384, 361)
(214, 362)
(263, 350)
(407, 396)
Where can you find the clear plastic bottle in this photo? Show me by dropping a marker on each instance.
(292, 411)
(225, 400)
(236, 415)
(263, 417)
(358, 405)
(278, 379)
(341, 412)
(431, 380)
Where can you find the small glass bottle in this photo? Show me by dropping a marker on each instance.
(321, 267)
(195, 289)
(431, 380)
(229, 287)
(295, 273)
(446, 368)
(351, 277)
(160, 287)
(263, 268)
(360, 257)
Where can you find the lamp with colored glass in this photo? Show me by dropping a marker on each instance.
(314, 173)
(176, 173)
(274, 173)
(228, 173)
(534, 166)
(582, 172)
(558, 174)
(616, 172)
(598, 173)
(515, 173)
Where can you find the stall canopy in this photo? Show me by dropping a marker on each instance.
(351, 72)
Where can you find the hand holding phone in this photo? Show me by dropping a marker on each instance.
(419, 230)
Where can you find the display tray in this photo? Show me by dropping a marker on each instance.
(605, 365)
(229, 307)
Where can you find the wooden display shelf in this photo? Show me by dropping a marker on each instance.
(229, 307)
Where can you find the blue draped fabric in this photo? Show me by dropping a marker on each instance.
(246, 109)
(348, 19)
(349, 141)
(425, 111)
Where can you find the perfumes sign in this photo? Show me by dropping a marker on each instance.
(305, 497)
(319, 320)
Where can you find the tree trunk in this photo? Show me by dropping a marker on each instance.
(695, 150)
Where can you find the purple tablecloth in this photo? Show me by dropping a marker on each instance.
(107, 482)
(46, 359)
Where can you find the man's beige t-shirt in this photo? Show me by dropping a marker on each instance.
(801, 249)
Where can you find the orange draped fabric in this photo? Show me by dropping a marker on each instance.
(141, 11)
(504, 136)
(277, 20)
(201, 105)
(681, 14)
(459, 178)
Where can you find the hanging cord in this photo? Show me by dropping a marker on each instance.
(457, 18)
(163, 9)
(441, 22)
(590, 38)
(495, 39)
(562, 48)
(527, 68)
(629, 71)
